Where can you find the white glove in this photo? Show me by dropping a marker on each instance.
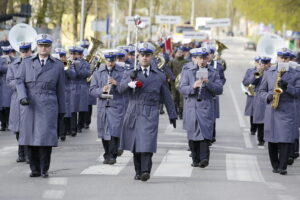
(132, 84)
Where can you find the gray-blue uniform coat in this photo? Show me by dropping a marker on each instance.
(249, 101)
(298, 101)
(218, 66)
(280, 124)
(70, 75)
(259, 106)
(14, 115)
(140, 127)
(200, 113)
(109, 119)
(3, 69)
(44, 87)
(80, 90)
(185, 113)
(6, 90)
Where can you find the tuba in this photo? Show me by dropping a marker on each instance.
(22, 33)
(268, 44)
(159, 57)
(95, 56)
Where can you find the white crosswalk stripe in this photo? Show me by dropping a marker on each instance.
(241, 167)
(115, 169)
(175, 164)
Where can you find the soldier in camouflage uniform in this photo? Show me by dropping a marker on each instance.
(176, 67)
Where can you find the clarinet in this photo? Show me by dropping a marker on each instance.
(199, 92)
(107, 99)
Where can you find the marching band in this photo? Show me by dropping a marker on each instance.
(47, 97)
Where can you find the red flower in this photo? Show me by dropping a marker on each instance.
(139, 84)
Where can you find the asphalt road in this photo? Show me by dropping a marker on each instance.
(238, 168)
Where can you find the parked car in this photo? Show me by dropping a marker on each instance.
(250, 46)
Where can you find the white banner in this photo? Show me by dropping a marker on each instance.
(195, 35)
(161, 19)
(130, 20)
(218, 22)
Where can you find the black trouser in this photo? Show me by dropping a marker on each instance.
(142, 162)
(67, 122)
(279, 154)
(200, 150)
(260, 132)
(22, 150)
(214, 130)
(74, 122)
(81, 120)
(61, 126)
(88, 116)
(253, 127)
(4, 116)
(294, 148)
(39, 157)
(111, 148)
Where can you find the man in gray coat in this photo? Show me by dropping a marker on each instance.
(219, 67)
(249, 102)
(83, 72)
(14, 116)
(6, 91)
(280, 128)
(41, 91)
(200, 91)
(146, 86)
(259, 106)
(105, 85)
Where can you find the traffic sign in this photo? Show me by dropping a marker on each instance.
(164, 19)
(218, 22)
(195, 35)
(130, 20)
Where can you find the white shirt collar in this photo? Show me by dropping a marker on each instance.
(45, 60)
(148, 69)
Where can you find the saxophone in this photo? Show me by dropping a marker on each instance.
(277, 90)
(251, 90)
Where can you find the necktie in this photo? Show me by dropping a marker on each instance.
(145, 73)
(43, 62)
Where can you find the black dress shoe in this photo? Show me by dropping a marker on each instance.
(120, 152)
(203, 163)
(86, 126)
(290, 161)
(213, 140)
(145, 176)
(20, 159)
(252, 133)
(105, 162)
(112, 161)
(137, 177)
(74, 133)
(63, 138)
(2, 129)
(32, 174)
(261, 143)
(283, 172)
(162, 112)
(296, 155)
(194, 164)
(45, 175)
(276, 171)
